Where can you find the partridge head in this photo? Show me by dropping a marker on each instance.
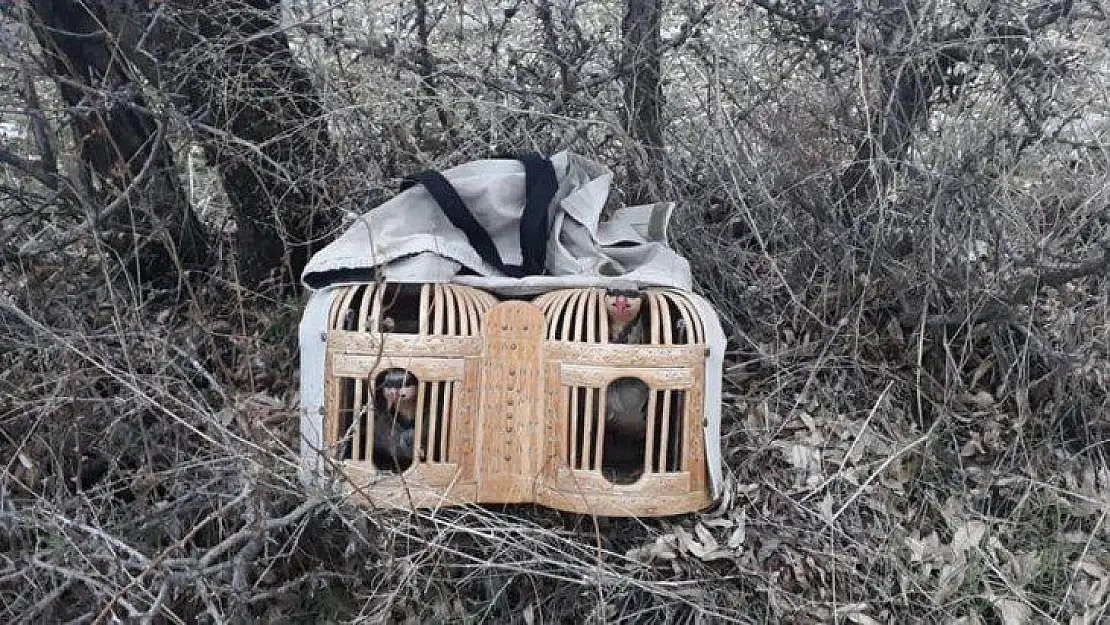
(623, 308)
(399, 391)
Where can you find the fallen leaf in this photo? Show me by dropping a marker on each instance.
(863, 619)
(1011, 612)
(706, 537)
(740, 533)
(968, 535)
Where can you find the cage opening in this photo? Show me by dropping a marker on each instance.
(665, 317)
(393, 443)
(400, 308)
(397, 402)
(346, 417)
(397, 305)
(355, 429)
(667, 429)
(350, 317)
(378, 423)
(625, 433)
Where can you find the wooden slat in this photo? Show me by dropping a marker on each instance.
(604, 320)
(580, 315)
(576, 456)
(340, 311)
(434, 413)
(402, 345)
(451, 309)
(594, 315)
(654, 314)
(352, 366)
(445, 425)
(588, 431)
(614, 355)
(600, 437)
(512, 396)
(357, 442)
(666, 321)
(425, 298)
(556, 421)
(567, 328)
(364, 309)
(664, 432)
(693, 452)
(418, 435)
(377, 308)
(468, 314)
(464, 446)
(332, 386)
(597, 375)
(649, 440)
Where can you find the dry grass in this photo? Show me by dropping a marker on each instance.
(916, 424)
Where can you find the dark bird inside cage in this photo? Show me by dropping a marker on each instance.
(623, 307)
(626, 402)
(395, 421)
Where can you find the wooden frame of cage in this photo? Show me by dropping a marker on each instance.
(515, 375)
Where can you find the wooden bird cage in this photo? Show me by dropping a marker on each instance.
(511, 399)
(665, 472)
(431, 331)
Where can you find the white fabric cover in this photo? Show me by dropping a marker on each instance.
(409, 239)
(413, 241)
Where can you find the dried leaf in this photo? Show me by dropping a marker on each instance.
(682, 539)
(1091, 567)
(949, 580)
(1087, 618)
(968, 535)
(740, 533)
(923, 549)
(980, 371)
(1023, 567)
(804, 458)
(1012, 612)
(863, 619)
(706, 537)
(697, 550)
(664, 547)
(982, 399)
(826, 508)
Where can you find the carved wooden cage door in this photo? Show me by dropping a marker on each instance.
(660, 472)
(430, 331)
(509, 402)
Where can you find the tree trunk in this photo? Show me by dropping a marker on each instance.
(124, 151)
(231, 66)
(908, 81)
(643, 93)
(640, 62)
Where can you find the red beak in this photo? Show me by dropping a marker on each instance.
(621, 304)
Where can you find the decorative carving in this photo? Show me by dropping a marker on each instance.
(425, 369)
(573, 374)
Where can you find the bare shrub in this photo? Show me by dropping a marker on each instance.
(899, 209)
